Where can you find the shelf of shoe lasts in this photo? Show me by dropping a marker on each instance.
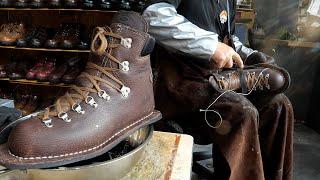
(33, 82)
(45, 49)
(292, 43)
(52, 9)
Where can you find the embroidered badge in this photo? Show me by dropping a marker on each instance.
(223, 16)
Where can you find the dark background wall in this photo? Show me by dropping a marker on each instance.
(276, 14)
(302, 63)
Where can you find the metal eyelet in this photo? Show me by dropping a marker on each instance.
(64, 116)
(125, 66)
(126, 42)
(48, 122)
(77, 108)
(125, 91)
(267, 79)
(91, 102)
(267, 76)
(104, 95)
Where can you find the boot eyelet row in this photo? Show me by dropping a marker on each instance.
(64, 116)
(267, 79)
(104, 95)
(125, 91)
(91, 102)
(125, 66)
(48, 122)
(126, 42)
(77, 108)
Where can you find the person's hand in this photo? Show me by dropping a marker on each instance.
(224, 57)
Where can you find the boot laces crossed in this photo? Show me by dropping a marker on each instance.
(260, 81)
(76, 94)
(232, 81)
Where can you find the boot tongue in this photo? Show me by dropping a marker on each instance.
(131, 19)
(127, 18)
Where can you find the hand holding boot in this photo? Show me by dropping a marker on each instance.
(224, 57)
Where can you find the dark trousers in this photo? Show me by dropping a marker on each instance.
(254, 140)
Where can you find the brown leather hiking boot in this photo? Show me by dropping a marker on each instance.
(112, 98)
(264, 78)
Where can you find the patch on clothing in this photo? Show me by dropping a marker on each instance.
(223, 17)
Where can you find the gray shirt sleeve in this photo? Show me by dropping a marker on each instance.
(175, 32)
(241, 49)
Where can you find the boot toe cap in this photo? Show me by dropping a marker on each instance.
(24, 140)
(279, 81)
(33, 140)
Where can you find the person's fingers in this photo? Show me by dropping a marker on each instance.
(237, 59)
(229, 64)
(220, 61)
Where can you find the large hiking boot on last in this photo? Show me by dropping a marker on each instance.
(110, 100)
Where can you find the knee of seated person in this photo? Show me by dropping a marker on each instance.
(245, 107)
(280, 100)
(241, 111)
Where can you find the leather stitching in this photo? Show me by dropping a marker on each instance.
(83, 151)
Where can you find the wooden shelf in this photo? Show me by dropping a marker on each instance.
(49, 9)
(245, 9)
(292, 43)
(45, 49)
(33, 82)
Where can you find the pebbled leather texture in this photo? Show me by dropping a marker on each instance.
(33, 145)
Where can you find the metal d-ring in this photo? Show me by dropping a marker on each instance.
(126, 42)
(48, 122)
(64, 116)
(125, 66)
(125, 91)
(91, 102)
(104, 95)
(77, 108)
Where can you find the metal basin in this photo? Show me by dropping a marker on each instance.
(104, 170)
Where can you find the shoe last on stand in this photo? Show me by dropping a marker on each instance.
(110, 100)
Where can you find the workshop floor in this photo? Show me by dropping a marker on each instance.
(306, 154)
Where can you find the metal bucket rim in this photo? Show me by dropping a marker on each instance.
(147, 140)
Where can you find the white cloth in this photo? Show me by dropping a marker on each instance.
(241, 49)
(314, 8)
(175, 32)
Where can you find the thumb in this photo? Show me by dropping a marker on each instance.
(237, 59)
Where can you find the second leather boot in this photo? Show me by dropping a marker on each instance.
(263, 78)
(110, 100)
